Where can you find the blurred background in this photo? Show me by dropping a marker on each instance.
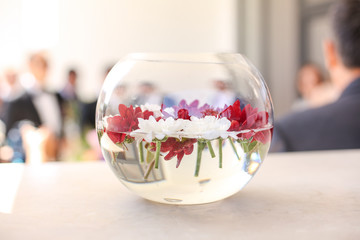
(89, 36)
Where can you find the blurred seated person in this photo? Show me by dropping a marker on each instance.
(336, 125)
(41, 109)
(313, 89)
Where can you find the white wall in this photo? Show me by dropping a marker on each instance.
(271, 41)
(94, 34)
(253, 32)
(11, 50)
(283, 55)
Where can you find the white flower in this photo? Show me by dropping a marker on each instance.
(151, 129)
(209, 127)
(156, 109)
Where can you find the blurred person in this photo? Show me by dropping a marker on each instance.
(41, 109)
(89, 136)
(224, 94)
(10, 87)
(69, 98)
(336, 125)
(2, 133)
(119, 96)
(88, 110)
(2, 106)
(72, 145)
(147, 94)
(6, 152)
(313, 89)
(68, 93)
(2, 110)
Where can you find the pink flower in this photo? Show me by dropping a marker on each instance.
(193, 109)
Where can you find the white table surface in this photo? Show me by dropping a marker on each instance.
(311, 195)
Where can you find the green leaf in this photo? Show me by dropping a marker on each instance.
(252, 146)
(248, 145)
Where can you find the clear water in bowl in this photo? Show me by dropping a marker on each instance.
(182, 185)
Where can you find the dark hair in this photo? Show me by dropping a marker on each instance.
(346, 28)
(72, 71)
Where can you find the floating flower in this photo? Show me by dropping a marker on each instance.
(183, 114)
(168, 112)
(109, 144)
(193, 109)
(173, 131)
(156, 109)
(209, 127)
(249, 119)
(209, 111)
(152, 129)
(176, 147)
(119, 126)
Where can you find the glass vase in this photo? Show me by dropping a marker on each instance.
(184, 128)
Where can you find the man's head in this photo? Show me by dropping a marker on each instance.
(38, 67)
(72, 76)
(308, 78)
(342, 53)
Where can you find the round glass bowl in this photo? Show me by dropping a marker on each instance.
(184, 128)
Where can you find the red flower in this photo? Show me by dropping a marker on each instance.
(247, 118)
(176, 147)
(120, 126)
(210, 112)
(183, 114)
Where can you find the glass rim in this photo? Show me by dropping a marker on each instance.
(188, 57)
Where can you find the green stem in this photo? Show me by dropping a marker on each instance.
(157, 154)
(201, 146)
(141, 151)
(212, 153)
(149, 156)
(220, 152)
(151, 166)
(233, 146)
